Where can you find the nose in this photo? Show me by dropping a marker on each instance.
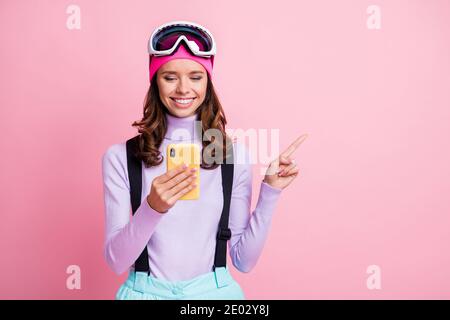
(183, 87)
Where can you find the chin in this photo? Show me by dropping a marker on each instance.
(183, 112)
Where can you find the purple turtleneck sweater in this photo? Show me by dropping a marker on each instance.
(181, 243)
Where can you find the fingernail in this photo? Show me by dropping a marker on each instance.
(193, 169)
(184, 166)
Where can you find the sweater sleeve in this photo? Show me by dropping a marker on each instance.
(249, 231)
(125, 237)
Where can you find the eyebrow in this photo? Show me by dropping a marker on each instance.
(174, 72)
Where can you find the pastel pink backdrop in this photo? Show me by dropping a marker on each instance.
(375, 179)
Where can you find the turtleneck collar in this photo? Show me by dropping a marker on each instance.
(183, 129)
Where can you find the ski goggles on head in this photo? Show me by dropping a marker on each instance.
(167, 37)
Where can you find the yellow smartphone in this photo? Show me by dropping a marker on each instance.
(188, 153)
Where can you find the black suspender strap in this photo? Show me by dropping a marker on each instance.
(135, 176)
(224, 233)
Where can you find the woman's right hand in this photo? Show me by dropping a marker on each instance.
(167, 188)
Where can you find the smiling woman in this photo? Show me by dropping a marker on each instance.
(175, 248)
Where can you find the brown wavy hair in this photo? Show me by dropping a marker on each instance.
(153, 127)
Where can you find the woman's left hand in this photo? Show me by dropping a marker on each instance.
(283, 170)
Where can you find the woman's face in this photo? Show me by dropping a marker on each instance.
(182, 79)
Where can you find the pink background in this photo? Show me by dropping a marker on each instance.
(375, 178)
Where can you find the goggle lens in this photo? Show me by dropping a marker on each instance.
(166, 38)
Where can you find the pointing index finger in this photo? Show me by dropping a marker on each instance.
(294, 145)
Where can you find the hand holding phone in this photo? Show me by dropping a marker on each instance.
(167, 188)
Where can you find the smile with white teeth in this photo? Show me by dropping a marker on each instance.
(184, 101)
